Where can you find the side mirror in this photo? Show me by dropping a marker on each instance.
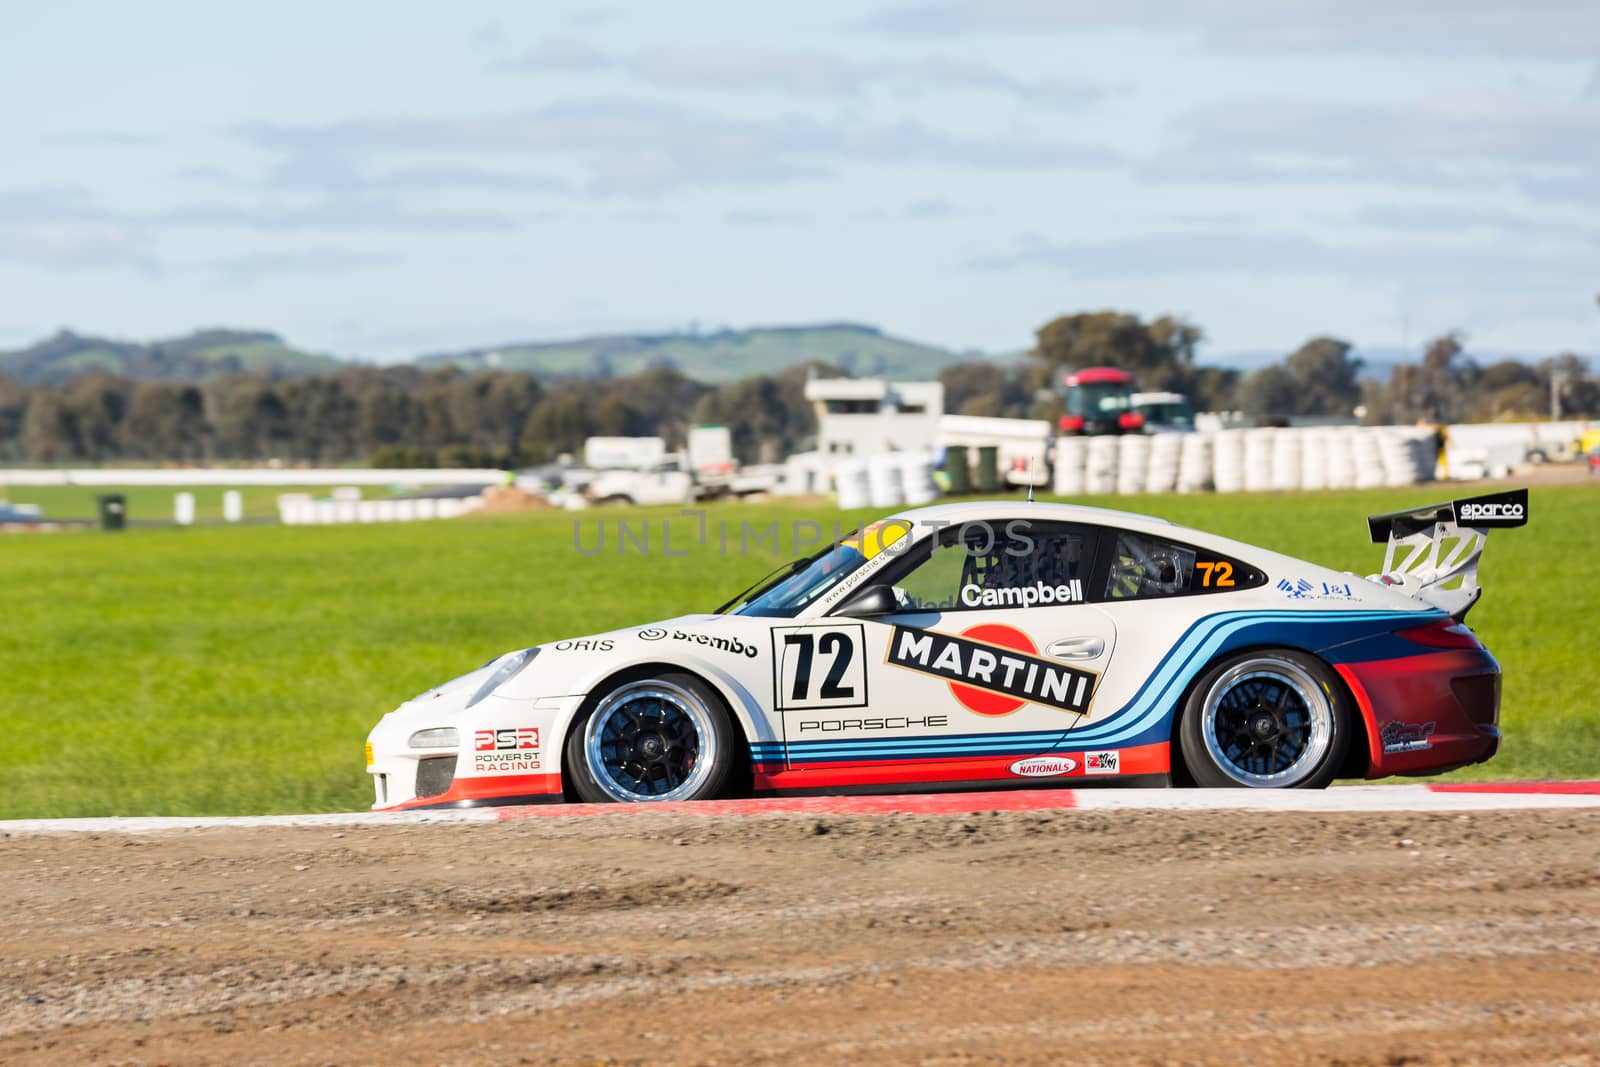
(873, 600)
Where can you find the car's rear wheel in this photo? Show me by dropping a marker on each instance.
(1268, 719)
(652, 739)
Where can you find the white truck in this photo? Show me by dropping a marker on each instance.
(635, 470)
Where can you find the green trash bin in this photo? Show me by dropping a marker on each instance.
(956, 469)
(987, 476)
(113, 511)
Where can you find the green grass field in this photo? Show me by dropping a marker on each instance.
(219, 670)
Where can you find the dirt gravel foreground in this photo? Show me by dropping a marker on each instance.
(1117, 937)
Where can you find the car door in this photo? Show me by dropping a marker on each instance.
(992, 654)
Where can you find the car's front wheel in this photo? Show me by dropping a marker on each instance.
(1268, 719)
(652, 739)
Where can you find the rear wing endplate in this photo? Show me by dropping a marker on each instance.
(1433, 551)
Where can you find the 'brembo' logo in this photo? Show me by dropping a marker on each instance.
(992, 669)
(724, 644)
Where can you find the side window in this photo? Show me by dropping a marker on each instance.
(1143, 567)
(1000, 565)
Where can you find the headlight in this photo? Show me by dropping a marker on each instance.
(438, 737)
(508, 669)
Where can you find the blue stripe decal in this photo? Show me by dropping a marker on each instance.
(1156, 700)
(1145, 718)
(926, 747)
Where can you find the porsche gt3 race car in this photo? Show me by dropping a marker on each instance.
(973, 644)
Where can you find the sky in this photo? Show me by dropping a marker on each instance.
(383, 179)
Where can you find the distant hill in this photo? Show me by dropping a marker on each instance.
(722, 356)
(198, 355)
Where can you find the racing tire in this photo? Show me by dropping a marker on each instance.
(648, 740)
(1268, 719)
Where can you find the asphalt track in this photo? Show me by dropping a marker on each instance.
(1440, 797)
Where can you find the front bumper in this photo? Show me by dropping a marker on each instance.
(509, 753)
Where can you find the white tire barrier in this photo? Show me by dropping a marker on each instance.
(1286, 446)
(1166, 451)
(1227, 461)
(1100, 467)
(1195, 463)
(1367, 455)
(885, 487)
(1072, 458)
(1258, 446)
(850, 480)
(1263, 459)
(916, 476)
(300, 509)
(1133, 463)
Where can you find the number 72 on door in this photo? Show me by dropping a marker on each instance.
(819, 666)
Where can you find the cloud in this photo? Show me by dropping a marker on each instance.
(924, 210)
(80, 245)
(61, 217)
(556, 55)
(61, 227)
(761, 69)
(633, 146)
(1561, 29)
(104, 138)
(1164, 254)
(1454, 266)
(766, 218)
(743, 68)
(253, 267)
(1468, 141)
(335, 171)
(1483, 127)
(431, 177)
(1455, 221)
(46, 203)
(331, 213)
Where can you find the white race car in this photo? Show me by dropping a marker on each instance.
(965, 645)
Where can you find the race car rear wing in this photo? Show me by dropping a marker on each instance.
(1433, 551)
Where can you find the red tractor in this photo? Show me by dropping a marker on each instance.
(1100, 401)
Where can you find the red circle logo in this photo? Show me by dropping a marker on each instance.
(984, 701)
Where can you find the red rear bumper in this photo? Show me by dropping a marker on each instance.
(1427, 713)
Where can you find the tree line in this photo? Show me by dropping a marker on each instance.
(1323, 377)
(388, 417)
(408, 416)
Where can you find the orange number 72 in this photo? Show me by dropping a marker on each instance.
(1217, 575)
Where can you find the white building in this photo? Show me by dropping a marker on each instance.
(863, 417)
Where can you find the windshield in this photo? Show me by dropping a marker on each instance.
(1092, 400)
(789, 595)
(1168, 413)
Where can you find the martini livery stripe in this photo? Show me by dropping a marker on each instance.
(992, 668)
(1156, 700)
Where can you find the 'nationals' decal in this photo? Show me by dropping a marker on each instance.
(992, 669)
